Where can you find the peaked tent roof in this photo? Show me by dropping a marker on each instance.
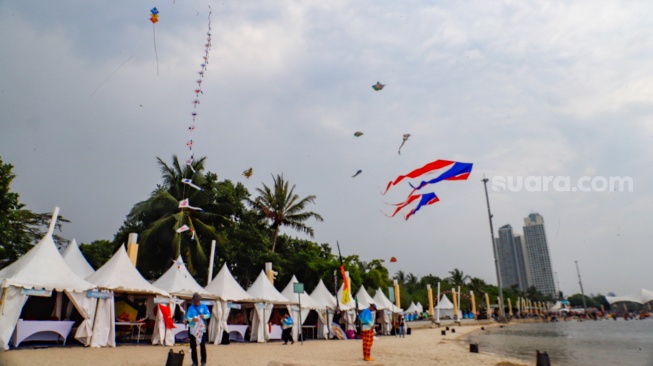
(306, 301)
(177, 281)
(419, 307)
(412, 308)
(224, 286)
(382, 302)
(42, 267)
(76, 260)
(263, 290)
(364, 299)
(322, 295)
(120, 275)
(444, 303)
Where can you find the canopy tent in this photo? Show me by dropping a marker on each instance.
(119, 275)
(306, 304)
(225, 287)
(43, 268)
(384, 305)
(76, 260)
(348, 316)
(419, 307)
(266, 297)
(445, 306)
(642, 297)
(364, 299)
(178, 282)
(322, 295)
(411, 309)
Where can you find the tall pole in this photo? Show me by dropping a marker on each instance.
(558, 283)
(581, 286)
(496, 256)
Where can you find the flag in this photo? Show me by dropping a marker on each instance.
(186, 204)
(167, 318)
(345, 286)
(182, 229)
(190, 183)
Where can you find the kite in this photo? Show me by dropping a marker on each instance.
(190, 183)
(186, 204)
(182, 229)
(358, 134)
(248, 173)
(393, 259)
(357, 173)
(378, 86)
(449, 170)
(406, 137)
(155, 18)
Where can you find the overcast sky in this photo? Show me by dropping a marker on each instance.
(520, 89)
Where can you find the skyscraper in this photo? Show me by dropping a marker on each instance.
(511, 259)
(537, 251)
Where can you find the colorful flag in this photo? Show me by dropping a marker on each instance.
(190, 183)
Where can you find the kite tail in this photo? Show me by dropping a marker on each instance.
(155, 51)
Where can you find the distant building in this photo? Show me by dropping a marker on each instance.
(537, 254)
(512, 266)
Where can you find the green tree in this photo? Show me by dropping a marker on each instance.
(282, 207)
(160, 216)
(479, 286)
(457, 278)
(98, 252)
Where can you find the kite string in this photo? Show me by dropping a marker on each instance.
(156, 54)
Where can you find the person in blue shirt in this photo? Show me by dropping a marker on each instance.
(286, 334)
(196, 316)
(367, 323)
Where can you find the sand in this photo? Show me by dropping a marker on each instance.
(424, 346)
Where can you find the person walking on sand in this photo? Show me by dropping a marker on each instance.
(286, 335)
(402, 327)
(367, 321)
(196, 316)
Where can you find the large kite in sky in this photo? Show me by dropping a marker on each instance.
(443, 169)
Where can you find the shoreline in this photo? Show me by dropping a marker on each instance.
(425, 345)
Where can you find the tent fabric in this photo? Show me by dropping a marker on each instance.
(225, 287)
(220, 314)
(322, 295)
(642, 297)
(411, 309)
(364, 298)
(444, 307)
(42, 267)
(120, 275)
(349, 315)
(306, 302)
(383, 303)
(266, 294)
(259, 319)
(76, 260)
(177, 281)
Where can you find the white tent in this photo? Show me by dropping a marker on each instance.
(43, 268)
(267, 296)
(419, 307)
(322, 295)
(225, 286)
(642, 297)
(388, 308)
(76, 261)
(118, 274)
(306, 303)
(411, 309)
(178, 282)
(349, 313)
(364, 299)
(445, 306)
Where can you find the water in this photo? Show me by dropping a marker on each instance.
(574, 343)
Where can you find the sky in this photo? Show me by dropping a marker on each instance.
(91, 93)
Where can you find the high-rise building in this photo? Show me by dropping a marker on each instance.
(537, 252)
(512, 267)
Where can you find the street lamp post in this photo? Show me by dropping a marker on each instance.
(502, 317)
(581, 286)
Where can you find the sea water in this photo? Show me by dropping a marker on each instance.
(574, 343)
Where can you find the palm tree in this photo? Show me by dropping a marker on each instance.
(161, 217)
(457, 277)
(283, 207)
(477, 285)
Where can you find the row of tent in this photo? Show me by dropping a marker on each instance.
(92, 293)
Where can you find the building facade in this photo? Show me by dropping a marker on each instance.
(537, 253)
(512, 266)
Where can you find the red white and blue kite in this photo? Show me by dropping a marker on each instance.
(447, 169)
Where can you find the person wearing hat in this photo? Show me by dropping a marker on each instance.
(367, 323)
(196, 316)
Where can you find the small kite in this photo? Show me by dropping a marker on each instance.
(186, 204)
(155, 18)
(248, 173)
(378, 86)
(357, 173)
(190, 183)
(358, 134)
(393, 259)
(182, 229)
(406, 137)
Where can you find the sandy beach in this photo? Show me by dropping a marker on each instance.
(425, 346)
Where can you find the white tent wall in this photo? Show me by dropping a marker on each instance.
(104, 327)
(294, 312)
(218, 325)
(160, 334)
(259, 320)
(12, 304)
(86, 307)
(324, 326)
